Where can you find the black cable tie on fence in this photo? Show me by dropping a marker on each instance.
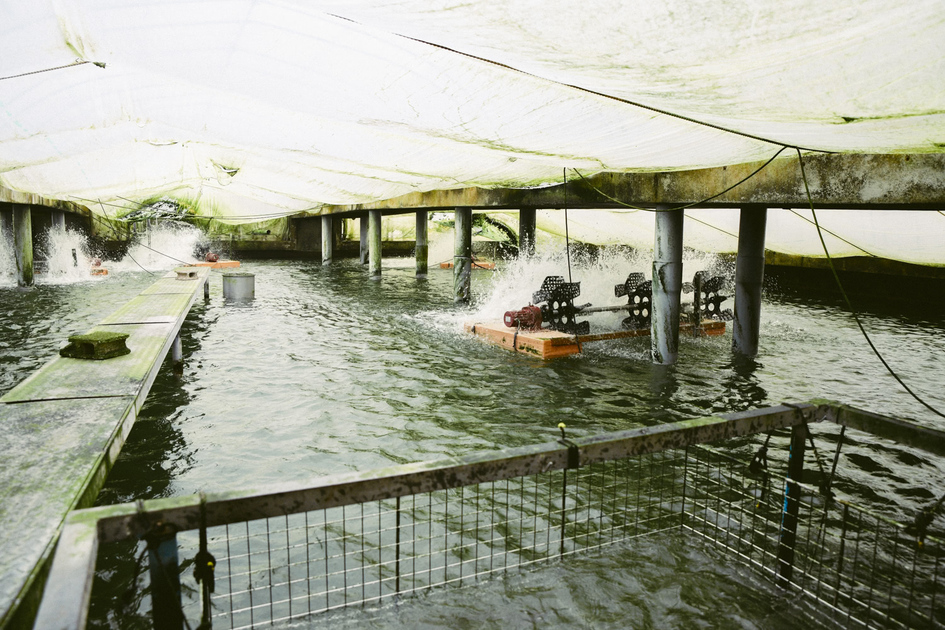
(759, 463)
(574, 453)
(919, 527)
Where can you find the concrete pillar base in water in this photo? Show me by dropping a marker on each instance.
(239, 285)
(374, 242)
(462, 255)
(328, 239)
(23, 244)
(177, 350)
(422, 248)
(363, 232)
(59, 220)
(526, 231)
(667, 286)
(749, 278)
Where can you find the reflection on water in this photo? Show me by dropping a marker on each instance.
(327, 372)
(741, 387)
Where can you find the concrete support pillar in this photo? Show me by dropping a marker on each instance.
(791, 506)
(328, 238)
(177, 350)
(749, 277)
(422, 248)
(667, 285)
(23, 244)
(462, 255)
(526, 232)
(374, 242)
(165, 579)
(363, 231)
(59, 220)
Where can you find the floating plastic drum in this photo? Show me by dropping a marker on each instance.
(239, 285)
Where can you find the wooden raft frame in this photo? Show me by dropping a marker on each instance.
(551, 344)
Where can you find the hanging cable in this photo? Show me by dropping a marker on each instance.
(115, 233)
(833, 234)
(849, 304)
(77, 62)
(688, 205)
(567, 239)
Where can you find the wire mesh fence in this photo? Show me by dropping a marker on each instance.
(276, 569)
(856, 568)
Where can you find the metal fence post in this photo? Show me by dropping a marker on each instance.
(397, 549)
(165, 578)
(792, 501)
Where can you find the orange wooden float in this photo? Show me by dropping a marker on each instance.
(477, 264)
(220, 264)
(551, 344)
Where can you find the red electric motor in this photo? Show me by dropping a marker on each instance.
(211, 257)
(529, 318)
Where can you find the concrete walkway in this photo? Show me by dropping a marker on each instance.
(61, 431)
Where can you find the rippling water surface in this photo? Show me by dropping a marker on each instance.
(329, 371)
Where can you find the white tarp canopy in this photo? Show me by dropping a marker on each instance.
(266, 108)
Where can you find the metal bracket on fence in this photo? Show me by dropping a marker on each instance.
(806, 412)
(574, 451)
(574, 461)
(919, 527)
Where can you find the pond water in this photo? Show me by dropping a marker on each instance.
(328, 371)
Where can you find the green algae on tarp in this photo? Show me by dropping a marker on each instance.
(98, 345)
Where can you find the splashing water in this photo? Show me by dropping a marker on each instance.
(513, 286)
(162, 247)
(67, 258)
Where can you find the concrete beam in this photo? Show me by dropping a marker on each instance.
(14, 196)
(881, 182)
